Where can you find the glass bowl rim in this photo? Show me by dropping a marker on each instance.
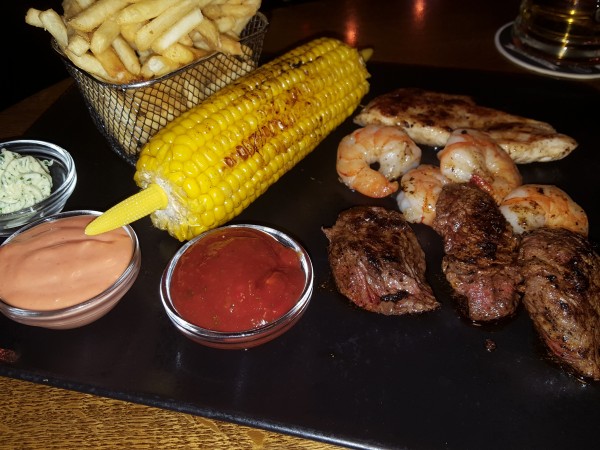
(132, 268)
(236, 337)
(52, 151)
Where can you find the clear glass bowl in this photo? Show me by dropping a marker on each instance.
(89, 310)
(64, 179)
(242, 339)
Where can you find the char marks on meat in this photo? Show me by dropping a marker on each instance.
(480, 253)
(561, 293)
(430, 117)
(377, 262)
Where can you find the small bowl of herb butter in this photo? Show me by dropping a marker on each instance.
(36, 180)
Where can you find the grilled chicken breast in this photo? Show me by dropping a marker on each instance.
(430, 117)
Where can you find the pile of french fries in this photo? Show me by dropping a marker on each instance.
(125, 41)
(134, 48)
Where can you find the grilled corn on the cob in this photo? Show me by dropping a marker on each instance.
(206, 166)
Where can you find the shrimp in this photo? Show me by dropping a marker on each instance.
(419, 191)
(533, 206)
(472, 156)
(388, 146)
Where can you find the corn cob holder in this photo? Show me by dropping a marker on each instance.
(207, 165)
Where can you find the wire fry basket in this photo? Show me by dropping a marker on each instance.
(128, 115)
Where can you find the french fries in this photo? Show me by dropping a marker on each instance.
(124, 41)
(179, 29)
(142, 11)
(134, 115)
(104, 36)
(51, 21)
(93, 16)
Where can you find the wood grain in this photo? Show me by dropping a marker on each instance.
(18, 118)
(35, 416)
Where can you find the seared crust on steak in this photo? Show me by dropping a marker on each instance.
(378, 263)
(480, 253)
(430, 117)
(562, 296)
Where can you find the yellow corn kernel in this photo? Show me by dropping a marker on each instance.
(217, 158)
(168, 135)
(182, 152)
(191, 187)
(190, 168)
(175, 166)
(203, 182)
(176, 178)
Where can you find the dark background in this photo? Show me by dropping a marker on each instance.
(29, 64)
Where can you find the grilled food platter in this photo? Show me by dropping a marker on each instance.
(342, 374)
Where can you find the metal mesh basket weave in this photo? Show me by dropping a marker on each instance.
(128, 115)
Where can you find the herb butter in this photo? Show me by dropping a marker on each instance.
(24, 181)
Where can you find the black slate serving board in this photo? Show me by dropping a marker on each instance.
(341, 375)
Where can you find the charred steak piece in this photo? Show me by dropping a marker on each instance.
(480, 253)
(378, 263)
(562, 296)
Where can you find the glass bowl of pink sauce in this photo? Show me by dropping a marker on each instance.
(61, 169)
(237, 286)
(53, 275)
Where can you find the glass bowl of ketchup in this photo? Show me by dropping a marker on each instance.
(237, 286)
(53, 275)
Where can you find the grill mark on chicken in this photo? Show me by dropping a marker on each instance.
(430, 117)
(561, 293)
(377, 262)
(480, 253)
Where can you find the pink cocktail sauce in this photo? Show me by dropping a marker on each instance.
(55, 264)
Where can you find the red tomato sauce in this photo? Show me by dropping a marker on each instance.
(236, 280)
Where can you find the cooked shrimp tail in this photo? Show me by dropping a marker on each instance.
(471, 156)
(387, 146)
(533, 206)
(419, 190)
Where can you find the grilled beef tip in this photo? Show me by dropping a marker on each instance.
(480, 253)
(378, 263)
(562, 296)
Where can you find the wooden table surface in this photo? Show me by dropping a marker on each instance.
(437, 33)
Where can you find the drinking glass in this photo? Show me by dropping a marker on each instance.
(564, 32)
